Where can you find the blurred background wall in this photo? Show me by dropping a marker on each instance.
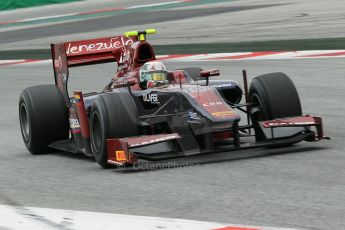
(13, 4)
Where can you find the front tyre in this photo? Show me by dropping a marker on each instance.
(43, 117)
(273, 96)
(113, 115)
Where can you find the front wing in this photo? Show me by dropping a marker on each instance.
(279, 132)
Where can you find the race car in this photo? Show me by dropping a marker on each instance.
(151, 113)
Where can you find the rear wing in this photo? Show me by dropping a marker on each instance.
(85, 52)
(93, 51)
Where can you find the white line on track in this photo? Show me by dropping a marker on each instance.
(156, 4)
(47, 17)
(10, 61)
(21, 218)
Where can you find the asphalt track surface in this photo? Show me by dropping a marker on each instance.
(300, 187)
(110, 22)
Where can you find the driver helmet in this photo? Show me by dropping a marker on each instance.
(153, 74)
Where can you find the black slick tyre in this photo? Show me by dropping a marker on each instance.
(273, 96)
(43, 117)
(113, 115)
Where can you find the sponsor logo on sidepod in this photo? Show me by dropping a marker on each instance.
(74, 123)
(212, 103)
(152, 98)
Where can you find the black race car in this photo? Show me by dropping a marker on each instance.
(147, 112)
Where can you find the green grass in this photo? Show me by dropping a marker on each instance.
(14, 4)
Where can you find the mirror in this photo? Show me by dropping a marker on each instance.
(209, 73)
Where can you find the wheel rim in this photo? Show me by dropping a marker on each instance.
(96, 135)
(25, 122)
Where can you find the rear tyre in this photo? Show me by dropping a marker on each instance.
(43, 117)
(113, 115)
(274, 96)
(193, 72)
